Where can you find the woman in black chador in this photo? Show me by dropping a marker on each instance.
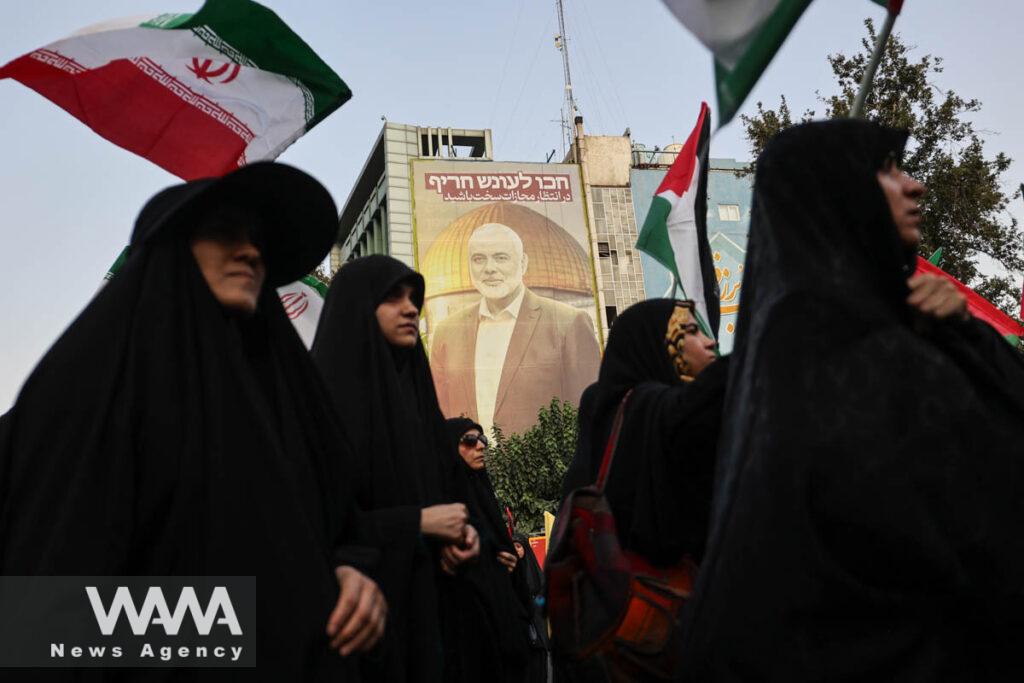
(404, 474)
(660, 487)
(485, 619)
(534, 576)
(660, 482)
(868, 509)
(178, 427)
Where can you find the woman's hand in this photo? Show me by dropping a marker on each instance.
(446, 522)
(507, 559)
(358, 619)
(937, 297)
(456, 554)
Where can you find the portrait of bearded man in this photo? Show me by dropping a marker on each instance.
(503, 358)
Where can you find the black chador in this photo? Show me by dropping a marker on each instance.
(537, 669)
(868, 509)
(485, 614)
(660, 483)
(401, 459)
(161, 435)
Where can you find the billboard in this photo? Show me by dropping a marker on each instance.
(510, 311)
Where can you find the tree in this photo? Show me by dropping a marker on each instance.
(964, 211)
(323, 274)
(527, 469)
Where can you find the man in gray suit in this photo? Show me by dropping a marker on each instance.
(501, 360)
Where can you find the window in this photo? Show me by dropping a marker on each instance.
(728, 212)
(602, 249)
(615, 257)
(610, 313)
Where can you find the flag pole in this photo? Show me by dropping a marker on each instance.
(857, 111)
(1022, 287)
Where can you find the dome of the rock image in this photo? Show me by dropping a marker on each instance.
(555, 261)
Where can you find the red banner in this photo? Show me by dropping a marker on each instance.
(539, 544)
(978, 306)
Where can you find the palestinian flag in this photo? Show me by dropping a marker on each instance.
(303, 301)
(978, 306)
(197, 94)
(743, 36)
(675, 232)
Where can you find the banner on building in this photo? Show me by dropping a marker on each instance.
(510, 315)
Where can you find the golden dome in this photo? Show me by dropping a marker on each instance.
(556, 260)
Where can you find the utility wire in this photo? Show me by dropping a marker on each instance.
(604, 60)
(599, 100)
(504, 69)
(529, 72)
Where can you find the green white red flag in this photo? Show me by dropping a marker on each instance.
(978, 306)
(303, 302)
(675, 232)
(743, 36)
(197, 94)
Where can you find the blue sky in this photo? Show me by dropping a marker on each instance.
(69, 197)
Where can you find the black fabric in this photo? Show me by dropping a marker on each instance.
(401, 458)
(481, 499)
(867, 511)
(537, 669)
(297, 211)
(659, 486)
(485, 617)
(534, 576)
(385, 396)
(161, 436)
(712, 300)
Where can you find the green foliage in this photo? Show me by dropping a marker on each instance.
(322, 274)
(964, 211)
(527, 469)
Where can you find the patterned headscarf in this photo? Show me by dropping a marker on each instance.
(680, 324)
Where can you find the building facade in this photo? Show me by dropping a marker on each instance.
(377, 216)
(618, 181)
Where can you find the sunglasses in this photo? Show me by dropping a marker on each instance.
(471, 439)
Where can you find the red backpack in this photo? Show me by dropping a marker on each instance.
(612, 613)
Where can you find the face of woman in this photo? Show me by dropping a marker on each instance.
(903, 194)
(698, 350)
(519, 549)
(233, 269)
(399, 317)
(471, 448)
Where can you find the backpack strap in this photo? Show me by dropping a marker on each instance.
(613, 443)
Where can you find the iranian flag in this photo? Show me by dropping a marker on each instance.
(303, 302)
(675, 232)
(197, 94)
(743, 36)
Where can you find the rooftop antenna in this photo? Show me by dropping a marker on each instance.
(569, 110)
